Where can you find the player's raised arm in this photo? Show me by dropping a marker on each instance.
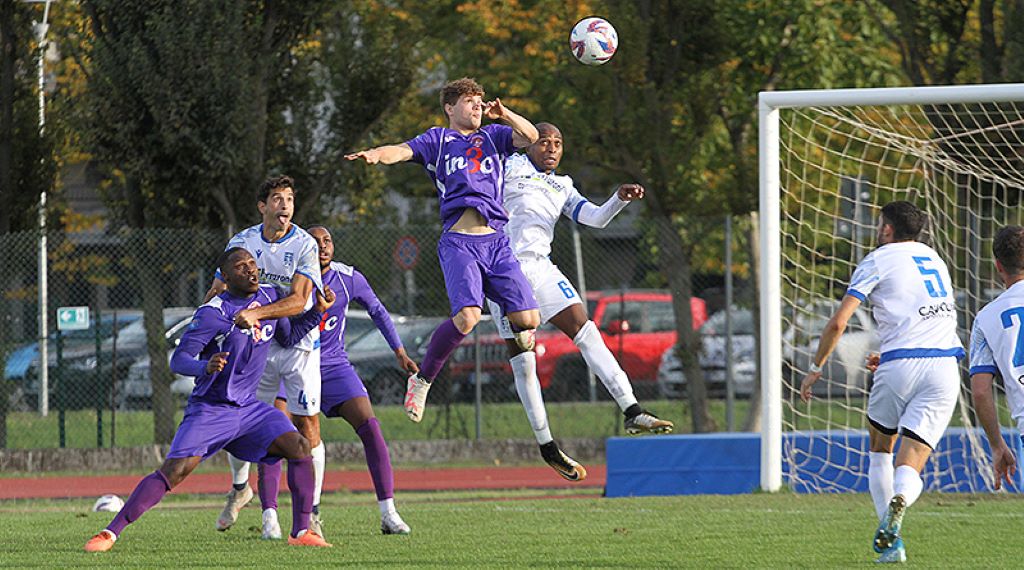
(523, 131)
(588, 214)
(827, 343)
(387, 154)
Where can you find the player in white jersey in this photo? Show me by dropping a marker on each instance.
(996, 349)
(917, 380)
(535, 198)
(287, 258)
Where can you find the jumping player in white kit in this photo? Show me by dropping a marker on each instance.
(536, 197)
(287, 258)
(917, 381)
(996, 349)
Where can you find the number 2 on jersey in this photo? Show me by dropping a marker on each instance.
(1005, 317)
(932, 278)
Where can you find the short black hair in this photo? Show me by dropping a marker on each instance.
(226, 256)
(315, 226)
(274, 183)
(906, 219)
(1008, 248)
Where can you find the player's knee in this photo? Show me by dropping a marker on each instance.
(466, 319)
(299, 447)
(525, 320)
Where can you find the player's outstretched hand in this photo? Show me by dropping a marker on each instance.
(805, 386)
(630, 192)
(1004, 465)
(872, 361)
(371, 156)
(326, 300)
(244, 319)
(217, 362)
(494, 110)
(404, 362)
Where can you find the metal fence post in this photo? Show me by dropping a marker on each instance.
(477, 382)
(61, 396)
(99, 377)
(730, 384)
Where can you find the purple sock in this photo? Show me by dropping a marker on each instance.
(442, 344)
(377, 458)
(269, 484)
(147, 493)
(300, 481)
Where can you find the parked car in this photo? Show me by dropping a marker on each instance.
(637, 325)
(845, 372)
(23, 362)
(375, 362)
(712, 358)
(84, 384)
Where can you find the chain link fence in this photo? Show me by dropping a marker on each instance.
(101, 379)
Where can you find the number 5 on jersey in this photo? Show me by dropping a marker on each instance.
(932, 277)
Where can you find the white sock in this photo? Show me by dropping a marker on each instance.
(386, 506)
(239, 470)
(880, 471)
(907, 482)
(268, 513)
(604, 365)
(319, 463)
(524, 369)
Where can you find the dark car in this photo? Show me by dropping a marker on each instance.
(375, 362)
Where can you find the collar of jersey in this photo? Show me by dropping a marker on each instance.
(290, 233)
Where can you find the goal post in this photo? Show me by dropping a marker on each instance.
(828, 159)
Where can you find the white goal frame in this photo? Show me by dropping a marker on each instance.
(770, 265)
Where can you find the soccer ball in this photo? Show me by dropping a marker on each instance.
(593, 41)
(108, 504)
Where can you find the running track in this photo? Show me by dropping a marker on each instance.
(538, 477)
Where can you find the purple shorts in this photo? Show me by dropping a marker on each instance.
(482, 265)
(245, 431)
(340, 384)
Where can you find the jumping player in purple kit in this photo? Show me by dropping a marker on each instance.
(466, 163)
(223, 412)
(342, 392)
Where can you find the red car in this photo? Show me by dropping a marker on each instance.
(637, 325)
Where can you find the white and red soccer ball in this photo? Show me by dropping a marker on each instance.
(593, 41)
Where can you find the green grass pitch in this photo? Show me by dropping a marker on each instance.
(539, 529)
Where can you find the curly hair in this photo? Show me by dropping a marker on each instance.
(454, 90)
(274, 183)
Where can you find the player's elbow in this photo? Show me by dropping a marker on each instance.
(836, 325)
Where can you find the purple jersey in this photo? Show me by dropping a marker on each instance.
(468, 170)
(213, 330)
(349, 285)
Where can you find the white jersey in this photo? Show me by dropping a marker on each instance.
(996, 345)
(279, 262)
(534, 201)
(912, 299)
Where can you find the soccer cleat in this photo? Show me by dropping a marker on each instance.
(889, 529)
(236, 500)
(566, 466)
(646, 422)
(308, 538)
(391, 523)
(416, 397)
(526, 340)
(316, 524)
(271, 528)
(102, 542)
(895, 554)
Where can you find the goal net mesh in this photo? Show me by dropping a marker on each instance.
(962, 163)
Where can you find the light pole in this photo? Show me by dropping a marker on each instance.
(40, 29)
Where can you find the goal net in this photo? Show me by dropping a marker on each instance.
(837, 157)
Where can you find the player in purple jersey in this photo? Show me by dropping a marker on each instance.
(342, 392)
(223, 412)
(466, 162)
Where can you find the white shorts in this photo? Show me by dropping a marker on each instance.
(916, 394)
(299, 370)
(550, 286)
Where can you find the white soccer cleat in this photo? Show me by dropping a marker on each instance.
(526, 340)
(236, 500)
(316, 524)
(416, 397)
(392, 523)
(271, 528)
(646, 422)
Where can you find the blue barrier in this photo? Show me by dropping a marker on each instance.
(729, 463)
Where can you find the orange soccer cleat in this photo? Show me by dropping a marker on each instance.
(102, 542)
(308, 538)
